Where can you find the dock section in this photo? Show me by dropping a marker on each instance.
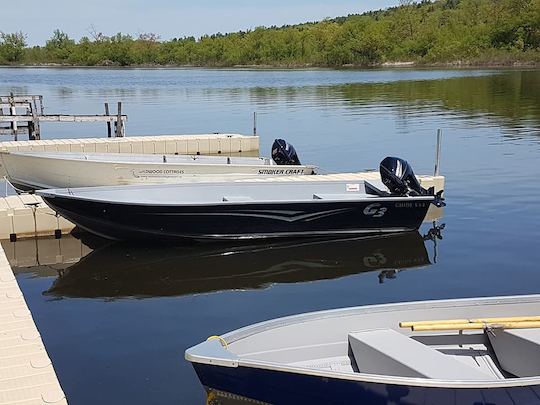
(25, 113)
(203, 144)
(26, 215)
(27, 376)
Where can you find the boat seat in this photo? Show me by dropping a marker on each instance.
(389, 352)
(517, 350)
(376, 187)
(237, 198)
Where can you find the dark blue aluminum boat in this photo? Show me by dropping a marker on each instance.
(248, 209)
(471, 352)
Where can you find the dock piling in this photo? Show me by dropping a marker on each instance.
(119, 122)
(254, 123)
(438, 153)
(108, 122)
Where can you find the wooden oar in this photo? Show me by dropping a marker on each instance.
(410, 324)
(476, 325)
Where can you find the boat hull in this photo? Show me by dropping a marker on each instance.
(122, 221)
(286, 388)
(32, 171)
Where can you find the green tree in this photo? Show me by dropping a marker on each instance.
(59, 46)
(12, 46)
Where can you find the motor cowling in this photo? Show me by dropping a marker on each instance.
(283, 153)
(397, 174)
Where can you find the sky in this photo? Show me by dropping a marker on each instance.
(167, 18)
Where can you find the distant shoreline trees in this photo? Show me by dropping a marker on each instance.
(425, 32)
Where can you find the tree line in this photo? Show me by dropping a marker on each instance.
(440, 31)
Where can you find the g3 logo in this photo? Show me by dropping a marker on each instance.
(375, 210)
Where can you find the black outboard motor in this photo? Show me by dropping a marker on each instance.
(398, 176)
(284, 153)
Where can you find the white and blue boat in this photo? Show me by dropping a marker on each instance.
(460, 352)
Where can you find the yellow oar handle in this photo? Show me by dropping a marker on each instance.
(476, 325)
(410, 324)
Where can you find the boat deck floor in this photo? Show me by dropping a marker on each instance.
(476, 356)
(151, 158)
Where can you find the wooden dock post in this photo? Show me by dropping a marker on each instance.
(119, 122)
(109, 134)
(37, 128)
(13, 111)
(33, 126)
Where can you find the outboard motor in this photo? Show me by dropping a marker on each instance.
(398, 176)
(284, 153)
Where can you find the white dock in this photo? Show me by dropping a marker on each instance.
(205, 144)
(26, 215)
(27, 376)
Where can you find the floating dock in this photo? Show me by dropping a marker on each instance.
(204, 144)
(27, 376)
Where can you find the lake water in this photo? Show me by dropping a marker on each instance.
(117, 322)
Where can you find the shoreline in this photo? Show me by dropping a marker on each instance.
(392, 65)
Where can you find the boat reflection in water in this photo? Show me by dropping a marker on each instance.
(128, 270)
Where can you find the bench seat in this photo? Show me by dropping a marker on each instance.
(517, 350)
(388, 352)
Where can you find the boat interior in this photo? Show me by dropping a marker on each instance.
(374, 343)
(150, 158)
(241, 192)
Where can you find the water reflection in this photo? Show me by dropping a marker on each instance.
(512, 98)
(224, 398)
(479, 98)
(127, 270)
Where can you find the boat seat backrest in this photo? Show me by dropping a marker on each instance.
(376, 187)
(389, 352)
(517, 350)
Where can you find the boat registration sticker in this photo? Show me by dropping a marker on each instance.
(353, 187)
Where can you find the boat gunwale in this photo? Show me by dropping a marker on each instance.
(51, 195)
(251, 330)
(261, 166)
(71, 193)
(35, 155)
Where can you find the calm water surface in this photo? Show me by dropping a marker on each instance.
(116, 323)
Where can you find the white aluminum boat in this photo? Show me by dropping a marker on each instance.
(41, 170)
(459, 352)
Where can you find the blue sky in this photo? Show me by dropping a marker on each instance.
(168, 18)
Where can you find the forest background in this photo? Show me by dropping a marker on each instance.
(446, 32)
